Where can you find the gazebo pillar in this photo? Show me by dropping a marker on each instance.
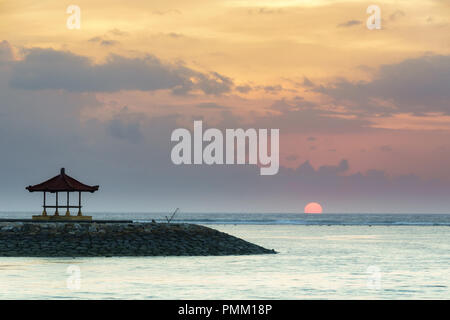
(79, 204)
(56, 211)
(67, 211)
(44, 212)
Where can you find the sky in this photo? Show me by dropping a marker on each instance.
(364, 115)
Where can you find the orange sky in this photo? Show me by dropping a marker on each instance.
(270, 47)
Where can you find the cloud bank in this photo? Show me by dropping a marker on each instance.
(43, 69)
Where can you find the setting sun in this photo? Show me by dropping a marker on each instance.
(313, 207)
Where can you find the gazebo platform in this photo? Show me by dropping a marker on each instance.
(74, 220)
(61, 218)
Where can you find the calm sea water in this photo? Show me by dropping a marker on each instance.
(330, 256)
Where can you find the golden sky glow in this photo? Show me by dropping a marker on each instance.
(260, 41)
(274, 47)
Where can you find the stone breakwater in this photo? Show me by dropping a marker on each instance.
(71, 239)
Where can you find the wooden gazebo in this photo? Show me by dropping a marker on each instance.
(62, 183)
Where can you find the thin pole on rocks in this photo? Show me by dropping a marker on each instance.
(173, 215)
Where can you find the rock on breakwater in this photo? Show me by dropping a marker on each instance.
(84, 239)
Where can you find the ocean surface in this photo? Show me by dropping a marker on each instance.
(327, 256)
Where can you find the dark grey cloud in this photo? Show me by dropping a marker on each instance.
(6, 53)
(272, 88)
(107, 40)
(417, 85)
(117, 33)
(108, 43)
(103, 42)
(265, 11)
(51, 69)
(396, 15)
(342, 167)
(243, 88)
(210, 105)
(307, 82)
(126, 125)
(350, 23)
(214, 83)
(95, 39)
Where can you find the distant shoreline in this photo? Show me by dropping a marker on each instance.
(264, 219)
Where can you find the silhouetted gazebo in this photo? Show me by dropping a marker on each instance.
(62, 183)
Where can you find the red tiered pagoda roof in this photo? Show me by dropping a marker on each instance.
(62, 182)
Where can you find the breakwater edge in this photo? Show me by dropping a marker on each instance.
(90, 239)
